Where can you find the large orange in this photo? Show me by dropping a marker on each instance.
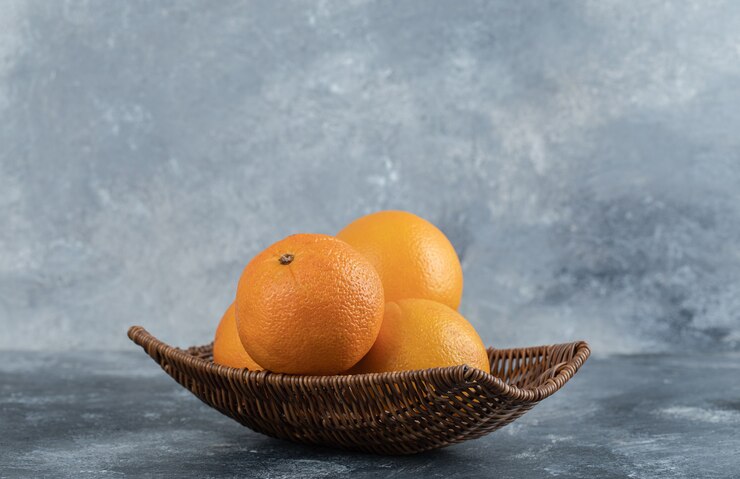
(413, 257)
(309, 304)
(420, 334)
(227, 347)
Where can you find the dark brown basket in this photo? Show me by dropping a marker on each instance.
(387, 413)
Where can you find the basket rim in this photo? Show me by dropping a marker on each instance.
(156, 348)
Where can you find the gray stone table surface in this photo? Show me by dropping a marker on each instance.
(117, 414)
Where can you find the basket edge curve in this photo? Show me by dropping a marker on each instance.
(156, 348)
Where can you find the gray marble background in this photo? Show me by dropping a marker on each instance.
(582, 156)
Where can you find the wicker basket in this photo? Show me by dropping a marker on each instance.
(388, 413)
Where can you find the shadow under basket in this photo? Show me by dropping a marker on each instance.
(387, 413)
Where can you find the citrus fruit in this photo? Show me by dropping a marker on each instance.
(421, 334)
(227, 347)
(413, 257)
(309, 304)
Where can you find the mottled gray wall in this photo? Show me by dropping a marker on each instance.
(583, 157)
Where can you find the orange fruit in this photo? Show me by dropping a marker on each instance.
(413, 257)
(420, 334)
(227, 347)
(309, 304)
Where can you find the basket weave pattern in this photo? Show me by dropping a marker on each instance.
(388, 413)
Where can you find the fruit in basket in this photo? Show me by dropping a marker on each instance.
(420, 334)
(413, 257)
(227, 347)
(309, 304)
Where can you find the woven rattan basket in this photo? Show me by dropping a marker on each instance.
(388, 413)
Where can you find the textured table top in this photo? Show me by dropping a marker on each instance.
(117, 414)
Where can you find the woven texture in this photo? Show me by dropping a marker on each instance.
(387, 413)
